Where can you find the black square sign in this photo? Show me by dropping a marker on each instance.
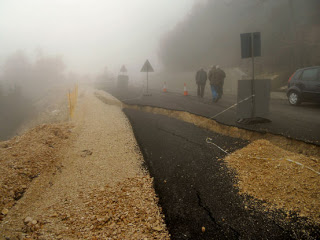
(246, 44)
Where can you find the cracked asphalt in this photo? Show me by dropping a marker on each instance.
(301, 123)
(195, 187)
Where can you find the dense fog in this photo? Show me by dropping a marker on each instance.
(50, 43)
(23, 82)
(290, 33)
(45, 44)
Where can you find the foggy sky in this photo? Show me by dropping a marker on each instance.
(89, 34)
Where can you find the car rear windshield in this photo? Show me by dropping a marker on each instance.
(310, 74)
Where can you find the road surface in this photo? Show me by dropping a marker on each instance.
(301, 123)
(195, 188)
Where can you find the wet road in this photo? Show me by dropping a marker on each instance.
(301, 123)
(195, 188)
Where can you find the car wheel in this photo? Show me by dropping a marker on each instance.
(294, 98)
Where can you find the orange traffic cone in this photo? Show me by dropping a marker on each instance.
(164, 87)
(185, 92)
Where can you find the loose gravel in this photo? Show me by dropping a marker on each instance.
(285, 180)
(98, 189)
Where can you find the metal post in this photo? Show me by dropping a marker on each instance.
(147, 82)
(252, 82)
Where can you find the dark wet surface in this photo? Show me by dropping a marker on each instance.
(195, 188)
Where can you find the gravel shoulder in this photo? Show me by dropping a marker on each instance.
(96, 187)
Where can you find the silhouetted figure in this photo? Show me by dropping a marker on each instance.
(216, 77)
(201, 80)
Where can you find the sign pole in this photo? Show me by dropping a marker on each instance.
(147, 68)
(252, 82)
(147, 79)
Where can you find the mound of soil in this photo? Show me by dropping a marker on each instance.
(25, 157)
(285, 180)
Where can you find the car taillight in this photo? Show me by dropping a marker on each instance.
(290, 77)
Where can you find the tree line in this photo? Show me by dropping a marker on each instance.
(210, 34)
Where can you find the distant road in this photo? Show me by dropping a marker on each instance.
(301, 123)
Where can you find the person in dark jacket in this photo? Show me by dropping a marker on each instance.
(201, 80)
(220, 75)
(213, 83)
(216, 76)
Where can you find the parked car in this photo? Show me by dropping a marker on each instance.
(304, 86)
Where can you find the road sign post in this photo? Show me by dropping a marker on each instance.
(147, 68)
(251, 48)
(252, 83)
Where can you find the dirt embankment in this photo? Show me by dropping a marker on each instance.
(80, 181)
(25, 157)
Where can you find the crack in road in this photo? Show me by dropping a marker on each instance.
(207, 209)
(284, 140)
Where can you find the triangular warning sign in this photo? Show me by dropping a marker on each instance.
(147, 67)
(123, 69)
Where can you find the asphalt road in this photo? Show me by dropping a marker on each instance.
(301, 123)
(195, 188)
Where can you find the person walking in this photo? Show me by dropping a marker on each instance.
(220, 75)
(216, 77)
(201, 80)
(213, 84)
